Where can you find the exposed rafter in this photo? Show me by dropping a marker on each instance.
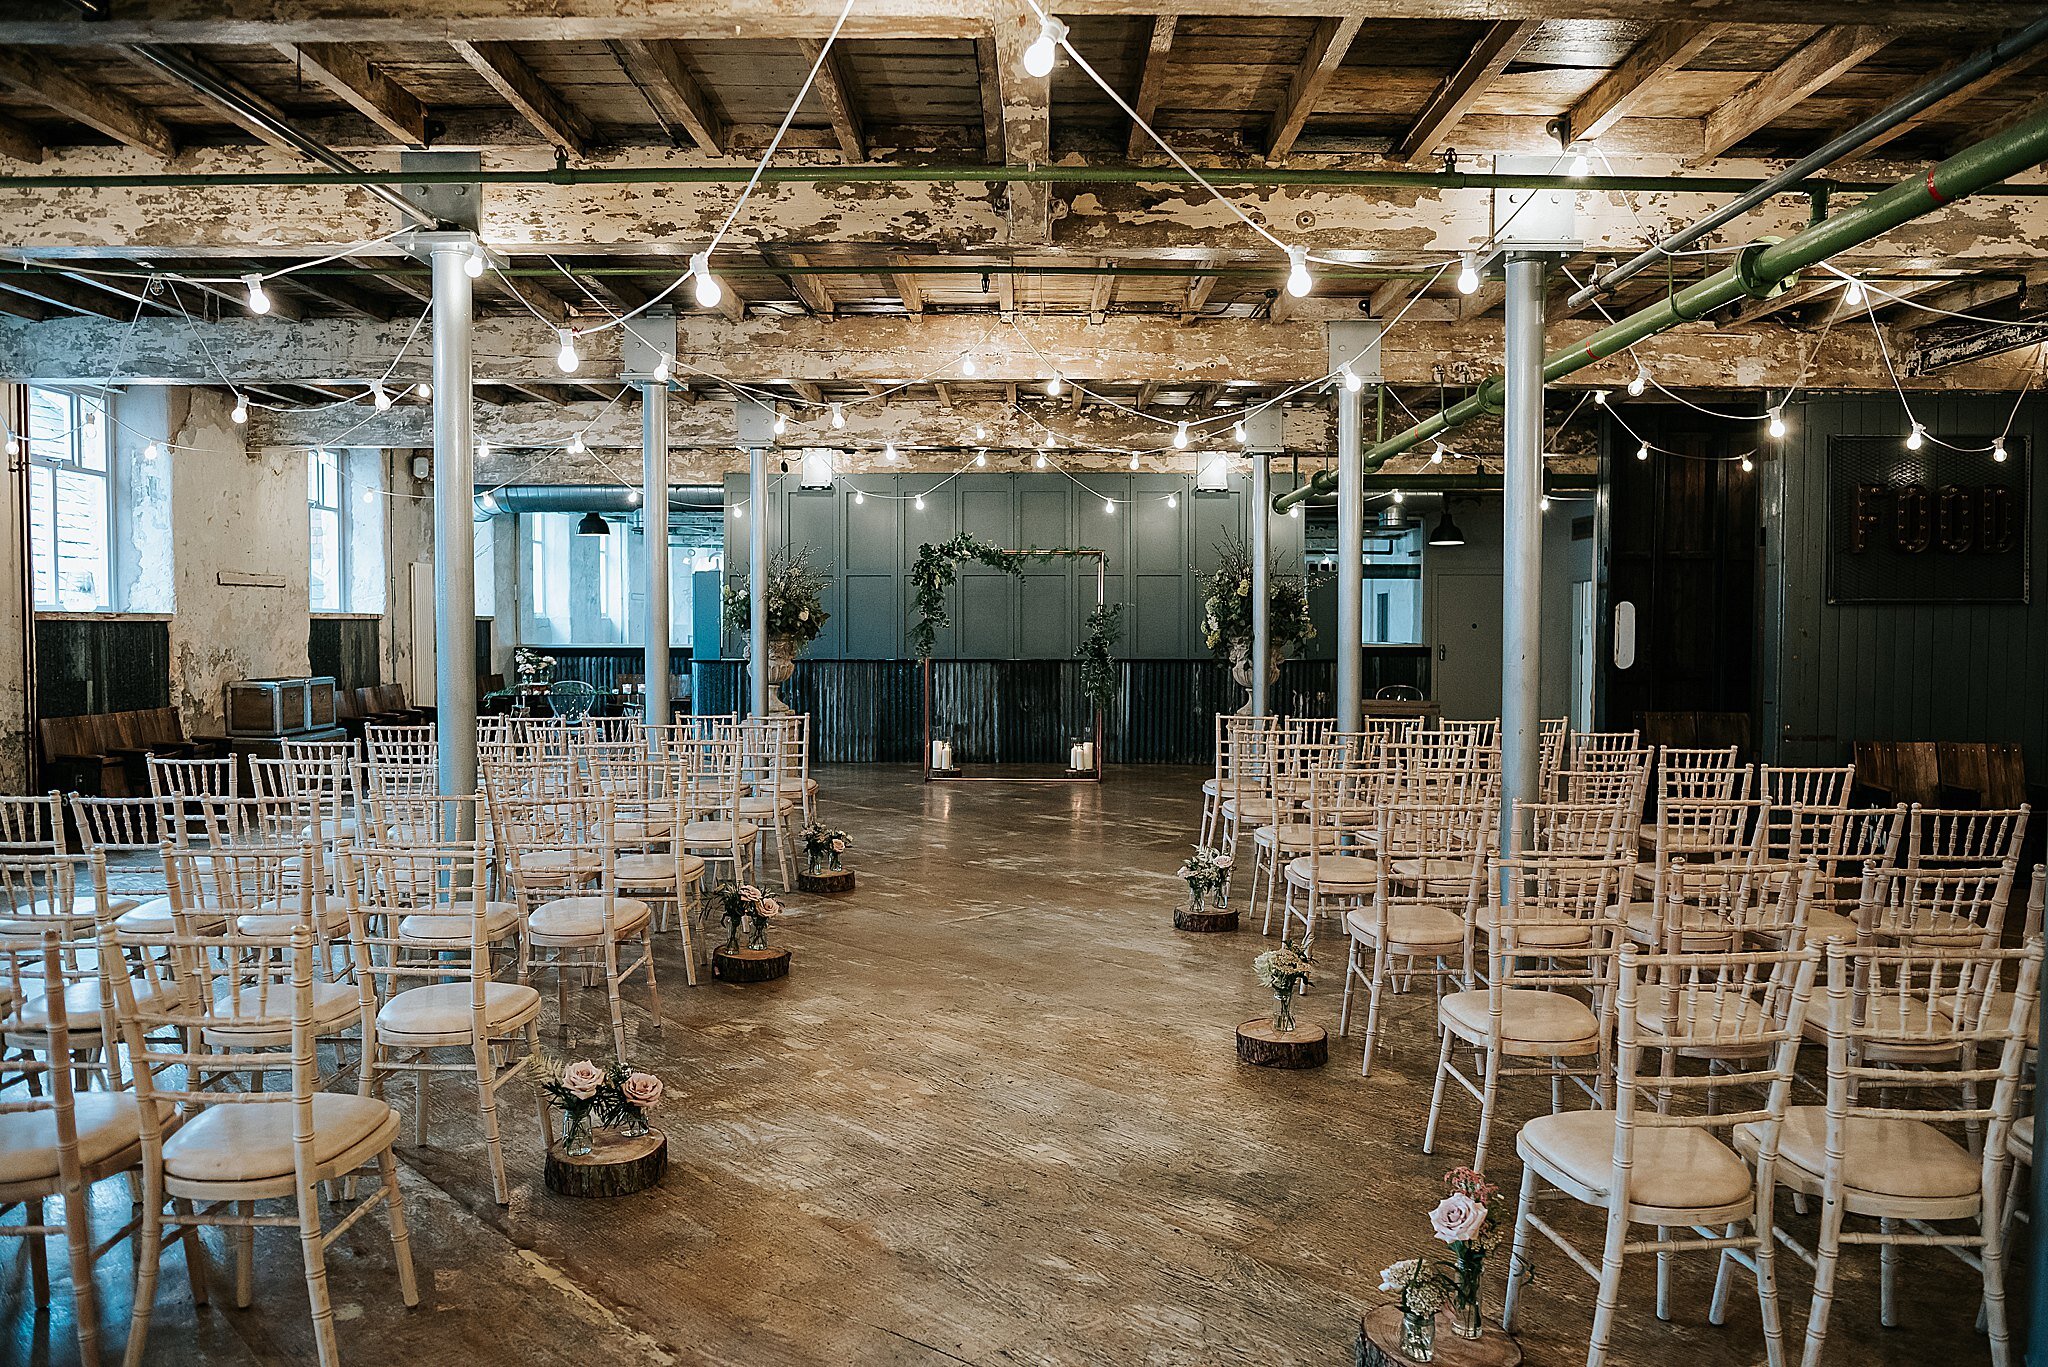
(506, 72)
(1447, 105)
(1326, 49)
(19, 141)
(365, 87)
(905, 282)
(109, 111)
(836, 91)
(1665, 49)
(1200, 287)
(811, 289)
(663, 75)
(1813, 65)
(1151, 82)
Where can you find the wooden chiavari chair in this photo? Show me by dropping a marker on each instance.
(126, 828)
(1550, 739)
(1584, 743)
(237, 1148)
(646, 793)
(1583, 830)
(34, 826)
(411, 821)
(1547, 1007)
(1249, 797)
(1479, 733)
(1938, 837)
(765, 802)
(1217, 787)
(1706, 851)
(712, 829)
(1645, 1164)
(1333, 873)
(1811, 787)
(1287, 836)
(177, 783)
(1869, 836)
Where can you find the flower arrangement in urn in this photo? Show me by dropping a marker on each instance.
(742, 905)
(616, 1098)
(1207, 874)
(1227, 603)
(1285, 970)
(823, 845)
(531, 666)
(1471, 1221)
(796, 599)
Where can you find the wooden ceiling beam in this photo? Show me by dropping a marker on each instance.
(1026, 103)
(1665, 49)
(364, 87)
(1448, 103)
(19, 141)
(905, 283)
(989, 83)
(262, 124)
(1388, 298)
(1814, 64)
(1200, 287)
(539, 298)
(1104, 292)
(1150, 82)
(1326, 49)
(836, 90)
(108, 111)
(812, 290)
(663, 75)
(1946, 106)
(65, 295)
(506, 72)
(342, 294)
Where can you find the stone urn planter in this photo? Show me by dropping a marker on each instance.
(782, 653)
(1241, 671)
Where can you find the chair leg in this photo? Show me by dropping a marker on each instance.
(1827, 1252)
(38, 1210)
(487, 1105)
(686, 912)
(1724, 1272)
(314, 1253)
(1518, 1258)
(1611, 1258)
(1372, 1007)
(653, 991)
(1436, 1097)
(1350, 976)
(611, 987)
(148, 1248)
(1887, 1276)
(401, 1242)
(84, 1304)
(1767, 1276)
(196, 1264)
(1993, 1256)
(1488, 1092)
(245, 1254)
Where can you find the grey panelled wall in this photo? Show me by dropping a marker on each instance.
(868, 549)
(1833, 675)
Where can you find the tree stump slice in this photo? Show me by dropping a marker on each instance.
(1305, 1046)
(749, 965)
(829, 884)
(1209, 921)
(1379, 1343)
(615, 1166)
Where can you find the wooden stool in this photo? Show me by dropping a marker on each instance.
(1305, 1046)
(617, 1165)
(749, 965)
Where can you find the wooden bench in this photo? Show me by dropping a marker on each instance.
(381, 704)
(1941, 774)
(1697, 731)
(105, 754)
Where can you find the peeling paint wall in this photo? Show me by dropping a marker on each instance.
(14, 728)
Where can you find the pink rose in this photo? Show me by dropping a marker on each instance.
(1458, 1219)
(769, 907)
(838, 846)
(749, 893)
(582, 1078)
(641, 1090)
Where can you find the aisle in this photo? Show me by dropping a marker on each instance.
(993, 1116)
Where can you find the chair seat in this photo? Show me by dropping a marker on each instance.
(451, 929)
(1258, 809)
(1210, 787)
(1294, 835)
(1892, 1021)
(714, 832)
(1409, 926)
(1538, 934)
(656, 870)
(35, 916)
(1680, 840)
(559, 863)
(82, 1006)
(1823, 925)
(1433, 870)
(1882, 1159)
(336, 1006)
(1529, 1017)
(580, 920)
(1999, 1013)
(765, 808)
(1706, 1019)
(1674, 1168)
(153, 917)
(109, 1124)
(280, 916)
(642, 830)
(1335, 870)
(252, 1141)
(442, 1012)
(1697, 933)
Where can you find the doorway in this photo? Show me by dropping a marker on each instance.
(1467, 629)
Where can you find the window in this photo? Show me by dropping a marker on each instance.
(323, 499)
(70, 502)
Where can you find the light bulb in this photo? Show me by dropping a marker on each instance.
(424, 390)
(1299, 282)
(966, 365)
(1109, 506)
(1638, 383)
(1642, 450)
(981, 457)
(707, 288)
(1543, 504)
(1398, 497)
(1295, 511)
(889, 451)
(859, 497)
(1580, 165)
(92, 420)
(980, 432)
(632, 498)
(1436, 457)
(380, 396)
(1237, 430)
(839, 415)
(739, 510)
(1351, 380)
(661, 369)
(1600, 398)
(483, 450)
(1045, 48)
(259, 302)
(473, 264)
(1777, 424)
(1045, 442)
(13, 445)
(1468, 277)
(576, 446)
(566, 359)
(1747, 465)
(1053, 385)
(1134, 460)
(1040, 462)
(152, 452)
(1914, 442)
(1180, 436)
(781, 424)
(369, 495)
(241, 413)
(1997, 450)
(1852, 293)
(1173, 500)
(919, 504)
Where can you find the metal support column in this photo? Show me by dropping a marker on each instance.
(1521, 547)
(757, 578)
(1262, 581)
(1350, 558)
(454, 521)
(654, 518)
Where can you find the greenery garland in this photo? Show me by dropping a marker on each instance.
(936, 569)
(1099, 636)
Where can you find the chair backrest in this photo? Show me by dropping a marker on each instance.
(407, 817)
(1587, 830)
(32, 825)
(385, 883)
(1935, 906)
(116, 825)
(1480, 733)
(1821, 786)
(1697, 773)
(1943, 836)
(1555, 923)
(1618, 786)
(46, 1059)
(1870, 835)
(1589, 742)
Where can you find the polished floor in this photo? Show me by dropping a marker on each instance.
(994, 1116)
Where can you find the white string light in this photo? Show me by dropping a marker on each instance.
(1638, 382)
(241, 414)
(1468, 275)
(1180, 436)
(1351, 381)
(1777, 425)
(1053, 385)
(566, 359)
(259, 299)
(1044, 49)
(1917, 437)
(1299, 282)
(708, 291)
(424, 390)
(152, 452)
(380, 397)
(473, 264)
(781, 423)
(839, 415)
(1998, 450)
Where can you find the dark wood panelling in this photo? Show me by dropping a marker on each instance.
(347, 649)
(101, 664)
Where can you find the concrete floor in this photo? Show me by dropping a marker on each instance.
(994, 1116)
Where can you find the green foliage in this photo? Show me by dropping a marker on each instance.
(796, 598)
(937, 568)
(1099, 636)
(1227, 602)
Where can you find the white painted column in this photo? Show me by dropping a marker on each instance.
(1355, 345)
(649, 350)
(1264, 437)
(756, 423)
(1521, 547)
(454, 514)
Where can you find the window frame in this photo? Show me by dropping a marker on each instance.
(73, 464)
(320, 458)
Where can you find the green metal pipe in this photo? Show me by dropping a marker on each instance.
(884, 175)
(1760, 271)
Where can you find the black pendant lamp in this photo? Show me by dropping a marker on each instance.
(1446, 532)
(593, 525)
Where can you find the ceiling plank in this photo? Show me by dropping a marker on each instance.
(906, 285)
(22, 306)
(506, 72)
(539, 298)
(1200, 287)
(665, 78)
(262, 124)
(1456, 94)
(19, 141)
(989, 81)
(1151, 83)
(1665, 49)
(836, 90)
(811, 289)
(1147, 392)
(112, 113)
(945, 393)
(1388, 298)
(65, 295)
(1326, 49)
(1798, 296)
(1946, 106)
(343, 295)
(365, 88)
(1811, 66)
